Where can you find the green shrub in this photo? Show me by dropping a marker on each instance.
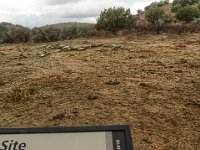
(139, 11)
(157, 4)
(198, 5)
(38, 35)
(176, 7)
(115, 19)
(185, 2)
(187, 14)
(156, 16)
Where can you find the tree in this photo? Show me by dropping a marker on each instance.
(187, 14)
(139, 11)
(198, 5)
(177, 4)
(52, 33)
(115, 19)
(38, 35)
(156, 16)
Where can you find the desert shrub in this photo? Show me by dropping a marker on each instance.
(152, 5)
(156, 16)
(52, 34)
(178, 4)
(139, 11)
(10, 33)
(176, 7)
(115, 19)
(157, 4)
(185, 2)
(198, 6)
(187, 14)
(163, 2)
(38, 35)
(3, 35)
(196, 21)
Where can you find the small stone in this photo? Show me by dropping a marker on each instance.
(74, 48)
(42, 55)
(147, 140)
(81, 49)
(183, 61)
(22, 56)
(49, 46)
(86, 46)
(91, 97)
(2, 53)
(115, 46)
(59, 116)
(112, 82)
(66, 47)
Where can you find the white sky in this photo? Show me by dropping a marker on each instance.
(32, 13)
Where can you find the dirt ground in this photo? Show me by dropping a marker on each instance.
(151, 83)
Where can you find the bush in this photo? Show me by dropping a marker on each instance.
(38, 35)
(139, 11)
(187, 14)
(157, 4)
(176, 7)
(185, 2)
(156, 16)
(115, 19)
(10, 33)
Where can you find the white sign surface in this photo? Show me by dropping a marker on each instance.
(57, 141)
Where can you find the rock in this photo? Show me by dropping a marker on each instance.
(2, 53)
(164, 37)
(66, 47)
(42, 55)
(22, 56)
(91, 97)
(59, 116)
(106, 45)
(81, 49)
(94, 45)
(183, 61)
(86, 46)
(112, 82)
(74, 48)
(116, 46)
(62, 45)
(147, 140)
(41, 46)
(48, 47)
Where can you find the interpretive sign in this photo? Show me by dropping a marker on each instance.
(67, 138)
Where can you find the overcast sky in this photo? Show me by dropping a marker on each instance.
(33, 13)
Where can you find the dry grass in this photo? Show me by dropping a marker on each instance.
(151, 83)
(19, 95)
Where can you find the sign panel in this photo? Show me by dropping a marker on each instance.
(72, 138)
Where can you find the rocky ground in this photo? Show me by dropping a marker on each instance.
(151, 83)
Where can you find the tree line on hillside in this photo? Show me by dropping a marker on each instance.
(10, 33)
(158, 16)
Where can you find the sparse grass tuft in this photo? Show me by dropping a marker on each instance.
(19, 94)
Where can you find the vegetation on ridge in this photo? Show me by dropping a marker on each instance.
(157, 17)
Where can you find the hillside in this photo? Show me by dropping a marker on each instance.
(67, 25)
(11, 33)
(151, 83)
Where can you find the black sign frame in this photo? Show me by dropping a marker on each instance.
(119, 131)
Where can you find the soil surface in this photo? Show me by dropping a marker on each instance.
(151, 83)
